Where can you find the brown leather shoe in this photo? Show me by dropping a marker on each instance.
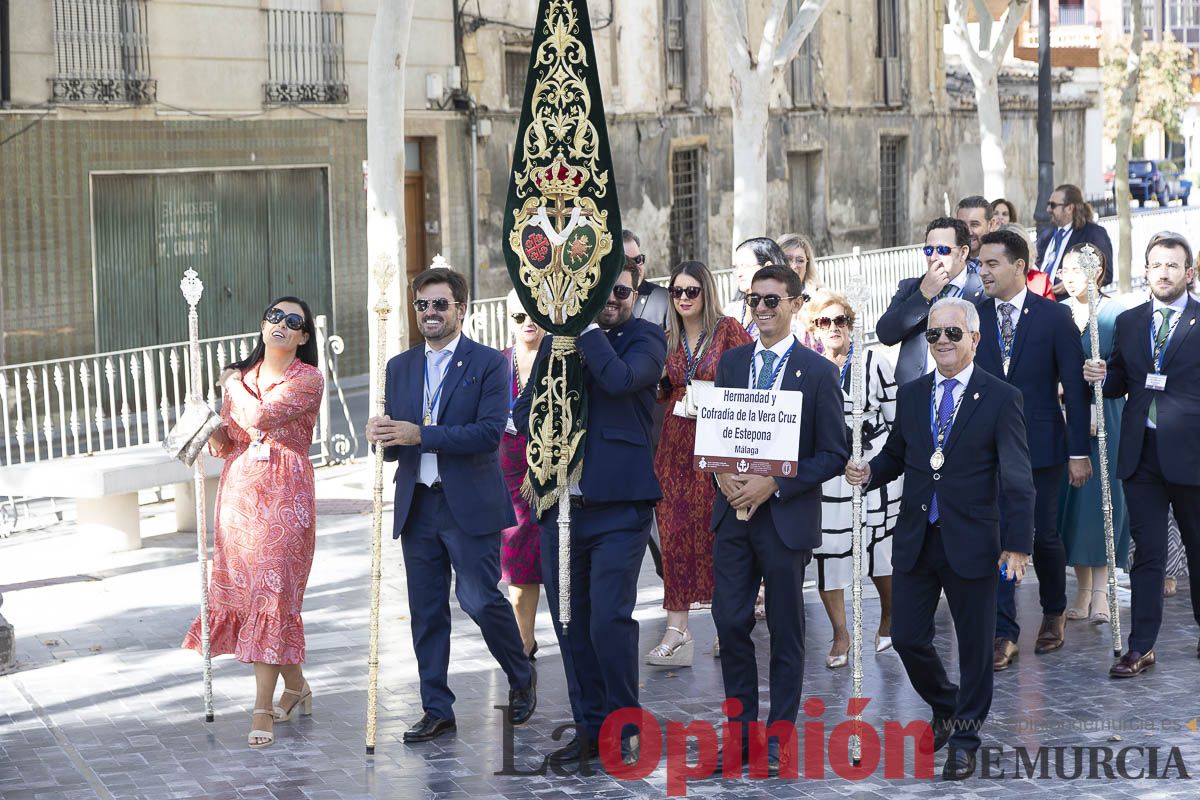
(1050, 637)
(1131, 664)
(1005, 652)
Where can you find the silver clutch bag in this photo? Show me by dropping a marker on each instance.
(191, 432)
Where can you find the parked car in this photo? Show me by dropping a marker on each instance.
(1162, 180)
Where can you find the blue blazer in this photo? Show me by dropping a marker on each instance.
(985, 457)
(823, 451)
(622, 367)
(472, 413)
(1090, 232)
(1178, 433)
(1046, 351)
(905, 320)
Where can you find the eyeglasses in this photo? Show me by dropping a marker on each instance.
(438, 303)
(1053, 206)
(277, 315)
(677, 292)
(932, 335)
(519, 318)
(940, 249)
(621, 291)
(639, 259)
(840, 321)
(770, 300)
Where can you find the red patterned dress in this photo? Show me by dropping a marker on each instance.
(685, 512)
(266, 519)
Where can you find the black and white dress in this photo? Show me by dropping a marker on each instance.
(881, 506)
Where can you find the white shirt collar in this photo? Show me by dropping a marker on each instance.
(959, 281)
(963, 377)
(1018, 301)
(450, 348)
(1179, 305)
(779, 349)
(1067, 228)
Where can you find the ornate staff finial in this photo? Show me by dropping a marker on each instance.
(191, 286)
(384, 273)
(1089, 261)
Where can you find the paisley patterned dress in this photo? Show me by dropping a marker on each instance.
(266, 519)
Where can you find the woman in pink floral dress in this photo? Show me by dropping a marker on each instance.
(266, 513)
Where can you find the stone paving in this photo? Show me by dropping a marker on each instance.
(103, 703)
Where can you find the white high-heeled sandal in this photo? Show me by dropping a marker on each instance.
(269, 736)
(679, 655)
(304, 704)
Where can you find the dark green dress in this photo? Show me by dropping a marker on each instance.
(1080, 518)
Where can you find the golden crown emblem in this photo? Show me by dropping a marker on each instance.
(560, 178)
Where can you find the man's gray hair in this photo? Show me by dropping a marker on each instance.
(965, 306)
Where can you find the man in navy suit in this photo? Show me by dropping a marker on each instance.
(947, 247)
(959, 440)
(610, 516)
(1073, 225)
(1156, 361)
(1032, 343)
(446, 407)
(775, 544)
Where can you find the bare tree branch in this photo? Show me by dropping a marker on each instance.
(985, 24)
(973, 61)
(770, 36)
(737, 44)
(1012, 18)
(802, 25)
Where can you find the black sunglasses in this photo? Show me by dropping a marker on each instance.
(677, 292)
(840, 321)
(639, 259)
(621, 291)
(940, 249)
(1053, 206)
(438, 303)
(770, 300)
(278, 315)
(519, 317)
(953, 334)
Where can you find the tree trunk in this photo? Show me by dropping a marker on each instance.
(991, 140)
(385, 173)
(751, 121)
(1124, 137)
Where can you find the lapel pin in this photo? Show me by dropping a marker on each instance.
(1193, 322)
(619, 333)
(459, 364)
(1025, 311)
(797, 373)
(975, 396)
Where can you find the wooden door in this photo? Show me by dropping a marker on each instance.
(414, 234)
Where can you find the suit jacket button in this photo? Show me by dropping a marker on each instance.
(924, 507)
(937, 476)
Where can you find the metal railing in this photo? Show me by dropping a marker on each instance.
(102, 52)
(306, 57)
(883, 270)
(109, 401)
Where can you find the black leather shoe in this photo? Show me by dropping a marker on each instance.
(522, 702)
(960, 764)
(773, 758)
(1131, 664)
(576, 751)
(942, 728)
(429, 728)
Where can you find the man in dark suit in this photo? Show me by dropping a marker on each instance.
(652, 301)
(1073, 225)
(959, 440)
(1156, 361)
(610, 515)
(973, 211)
(446, 408)
(947, 247)
(1032, 343)
(775, 544)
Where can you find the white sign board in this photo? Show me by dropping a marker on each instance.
(747, 431)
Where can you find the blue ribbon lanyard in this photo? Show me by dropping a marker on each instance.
(1156, 352)
(431, 402)
(846, 366)
(778, 367)
(693, 364)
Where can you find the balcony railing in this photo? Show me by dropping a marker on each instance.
(1072, 15)
(102, 52)
(306, 58)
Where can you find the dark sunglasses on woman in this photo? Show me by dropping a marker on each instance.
(932, 335)
(278, 315)
(940, 249)
(438, 303)
(519, 317)
(770, 300)
(692, 292)
(840, 321)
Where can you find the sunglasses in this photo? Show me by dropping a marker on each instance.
(840, 321)
(940, 249)
(770, 300)
(932, 335)
(692, 292)
(438, 303)
(639, 259)
(621, 291)
(519, 318)
(277, 315)
(1053, 206)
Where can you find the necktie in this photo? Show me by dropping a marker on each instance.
(1059, 235)
(1160, 344)
(765, 378)
(945, 410)
(946, 291)
(428, 470)
(1006, 331)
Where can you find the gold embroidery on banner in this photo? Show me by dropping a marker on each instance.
(553, 438)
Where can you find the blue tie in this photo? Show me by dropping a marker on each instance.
(1059, 235)
(765, 378)
(945, 410)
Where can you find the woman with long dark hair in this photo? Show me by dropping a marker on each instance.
(266, 513)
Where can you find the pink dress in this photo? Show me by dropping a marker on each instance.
(266, 519)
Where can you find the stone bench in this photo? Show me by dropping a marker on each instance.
(105, 487)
